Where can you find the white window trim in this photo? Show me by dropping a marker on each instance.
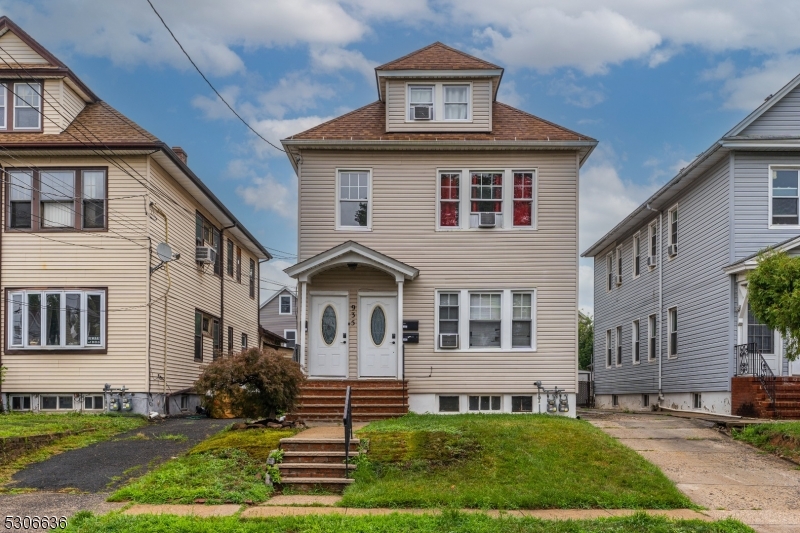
(287, 338)
(618, 266)
(669, 332)
(39, 113)
(280, 304)
(83, 402)
(490, 410)
(772, 169)
(337, 192)
(506, 317)
(652, 229)
(609, 350)
(672, 209)
(636, 326)
(58, 407)
(3, 118)
(438, 102)
(62, 319)
(652, 356)
(636, 251)
(618, 346)
(609, 271)
(11, 399)
(465, 208)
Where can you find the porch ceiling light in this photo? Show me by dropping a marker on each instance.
(352, 266)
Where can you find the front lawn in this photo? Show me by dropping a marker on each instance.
(226, 468)
(451, 522)
(780, 438)
(503, 462)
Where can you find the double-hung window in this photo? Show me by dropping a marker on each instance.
(486, 192)
(522, 320)
(230, 339)
(637, 255)
(523, 199)
(653, 233)
(609, 348)
(238, 265)
(252, 278)
(27, 106)
(57, 196)
(229, 258)
(449, 199)
(285, 307)
(208, 235)
(635, 342)
(672, 315)
(652, 336)
(448, 319)
(244, 341)
(94, 199)
(609, 272)
(784, 201)
(673, 226)
(420, 102)
(198, 335)
(485, 322)
(759, 334)
(619, 265)
(21, 198)
(291, 337)
(354, 199)
(619, 345)
(57, 319)
(3, 106)
(456, 102)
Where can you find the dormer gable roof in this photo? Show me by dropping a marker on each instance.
(438, 56)
(40, 62)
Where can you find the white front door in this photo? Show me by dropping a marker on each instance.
(327, 336)
(377, 336)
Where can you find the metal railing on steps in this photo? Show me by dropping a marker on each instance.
(750, 362)
(347, 420)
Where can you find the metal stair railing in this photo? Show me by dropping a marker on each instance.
(750, 362)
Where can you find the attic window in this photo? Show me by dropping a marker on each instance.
(456, 102)
(420, 102)
(27, 106)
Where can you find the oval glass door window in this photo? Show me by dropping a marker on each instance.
(378, 325)
(329, 325)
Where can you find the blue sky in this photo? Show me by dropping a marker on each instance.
(655, 82)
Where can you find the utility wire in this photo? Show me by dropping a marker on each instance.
(207, 80)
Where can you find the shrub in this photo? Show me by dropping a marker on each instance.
(255, 383)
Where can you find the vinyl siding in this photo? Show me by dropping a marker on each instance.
(404, 222)
(751, 201)
(71, 104)
(86, 260)
(693, 281)
(782, 119)
(271, 319)
(396, 108)
(18, 51)
(52, 121)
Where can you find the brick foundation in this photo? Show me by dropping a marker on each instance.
(749, 399)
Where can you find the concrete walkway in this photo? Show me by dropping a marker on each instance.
(727, 477)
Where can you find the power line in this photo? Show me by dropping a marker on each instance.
(207, 80)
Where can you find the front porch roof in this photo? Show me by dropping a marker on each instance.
(750, 262)
(347, 253)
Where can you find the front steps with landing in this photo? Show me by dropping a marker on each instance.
(322, 400)
(315, 459)
(748, 398)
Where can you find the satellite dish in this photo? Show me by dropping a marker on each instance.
(164, 252)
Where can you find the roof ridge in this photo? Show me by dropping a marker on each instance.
(139, 129)
(309, 130)
(544, 120)
(436, 43)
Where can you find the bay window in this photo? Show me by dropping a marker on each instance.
(486, 192)
(456, 102)
(485, 320)
(27, 106)
(784, 197)
(449, 199)
(56, 319)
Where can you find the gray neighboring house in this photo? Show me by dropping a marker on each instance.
(670, 280)
(279, 315)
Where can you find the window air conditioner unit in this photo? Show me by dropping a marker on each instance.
(651, 261)
(422, 112)
(206, 255)
(487, 220)
(448, 340)
(619, 279)
(672, 250)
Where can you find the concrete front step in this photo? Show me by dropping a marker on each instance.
(338, 401)
(316, 457)
(308, 484)
(337, 418)
(311, 470)
(295, 444)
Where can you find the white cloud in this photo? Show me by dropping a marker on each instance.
(273, 279)
(275, 129)
(507, 93)
(213, 108)
(334, 59)
(722, 71)
(266, 193)
(749, 90)
(293, 92)
(575, 94)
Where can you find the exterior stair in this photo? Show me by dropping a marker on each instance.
(748, 393)
(374, 399)
(316, 463)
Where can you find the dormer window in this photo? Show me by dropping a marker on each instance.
(456, 102)
(421, 102)
(3, 107)
(27, 106)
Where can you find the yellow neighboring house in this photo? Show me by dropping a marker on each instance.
(88, 197)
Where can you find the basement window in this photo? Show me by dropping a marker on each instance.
(20, 403)
(92, 403)
(697, 401)
(449, 404)
(484, 403)
(522, 404)
(614, 400)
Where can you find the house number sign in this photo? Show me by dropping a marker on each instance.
(352, 315)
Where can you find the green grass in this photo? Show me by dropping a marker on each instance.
(503, 462)
(27, 424)
(226, 468)
(451, 522)
(101, 427)
(780, 438)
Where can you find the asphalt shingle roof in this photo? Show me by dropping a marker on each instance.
(438, 56)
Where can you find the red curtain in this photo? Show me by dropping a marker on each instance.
(522, 213)
(448, 214)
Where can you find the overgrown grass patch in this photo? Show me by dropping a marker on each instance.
(503, 462)
(228, 467)
(780, 438)
(451, 522)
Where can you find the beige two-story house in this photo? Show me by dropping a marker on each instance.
(118, 266)
(438, 233)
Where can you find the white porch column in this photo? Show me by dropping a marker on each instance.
(303, 316)
(400, 329)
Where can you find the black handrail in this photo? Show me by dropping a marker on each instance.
(347, 420)
(750, 362)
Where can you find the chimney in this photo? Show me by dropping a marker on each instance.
(181, 153)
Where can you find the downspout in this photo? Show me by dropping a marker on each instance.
(660, 297)
(222, 286)
(155, 208)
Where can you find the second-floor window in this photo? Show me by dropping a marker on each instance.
(229, 258)
(486, 192)
(449, 199)
(784, 201)
(619, 265)
(285, 305)
(27, 110)
(637, 255)
(635, 341)
(207, 235)
(353, 200)
(252, 279)
(523, 198)
(653, 236)
(609, 272)
(57, 199)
